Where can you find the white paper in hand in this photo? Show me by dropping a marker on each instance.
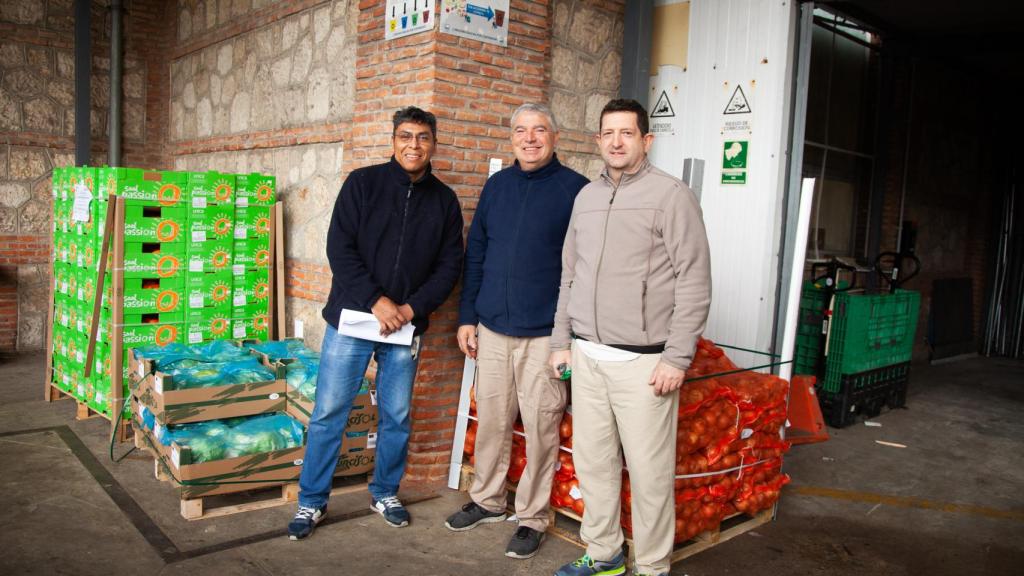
(366, 327)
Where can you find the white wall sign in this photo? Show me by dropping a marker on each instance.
(405, 17)
(737, 115)
(484, 20)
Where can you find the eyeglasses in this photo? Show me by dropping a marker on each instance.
(424, 138)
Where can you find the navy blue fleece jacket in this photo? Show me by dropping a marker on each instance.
(393, 237)
(514, 253)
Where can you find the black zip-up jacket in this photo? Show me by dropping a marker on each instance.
(514, 250)
(393, 237)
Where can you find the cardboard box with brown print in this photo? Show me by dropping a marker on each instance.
(175, 405)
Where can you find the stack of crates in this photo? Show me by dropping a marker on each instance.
(180, 267)
(77, 237)
(867, 353)
(251, 263)
(208, 281)
(156, 218)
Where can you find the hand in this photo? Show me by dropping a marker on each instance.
(389, 316)
(558, 358)
(467, 340)
(666, 379)
(407, 313)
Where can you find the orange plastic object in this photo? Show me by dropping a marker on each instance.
(806, 424)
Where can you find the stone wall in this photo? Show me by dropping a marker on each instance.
(585, 63)
(269, 87)
(282, 74)
(37, 123)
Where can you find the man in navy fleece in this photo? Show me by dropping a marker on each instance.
(509, 292)
(395, 249)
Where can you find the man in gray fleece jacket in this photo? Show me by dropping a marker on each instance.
(634, 299)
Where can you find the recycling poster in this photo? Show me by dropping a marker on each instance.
(484, 20)
(405, 17)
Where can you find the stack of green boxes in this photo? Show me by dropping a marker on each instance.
(251, 263)
(209, 280)
(77, 236)
(179, 258)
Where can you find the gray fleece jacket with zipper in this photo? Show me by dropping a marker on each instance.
(636, 268)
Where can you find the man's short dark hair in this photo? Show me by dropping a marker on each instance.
(628, 105)
(416, 116)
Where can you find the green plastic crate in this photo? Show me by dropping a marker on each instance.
(870, 331)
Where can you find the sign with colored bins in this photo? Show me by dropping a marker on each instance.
(406, 17)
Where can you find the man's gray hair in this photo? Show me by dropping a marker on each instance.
(539, 109)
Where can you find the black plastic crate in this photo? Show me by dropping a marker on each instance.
(865, 393)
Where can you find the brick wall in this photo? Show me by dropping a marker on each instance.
(8, 307)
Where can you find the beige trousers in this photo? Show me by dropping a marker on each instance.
(513, 378)
(613, 405)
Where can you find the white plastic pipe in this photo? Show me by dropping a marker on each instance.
(461, 423)
(796, 277)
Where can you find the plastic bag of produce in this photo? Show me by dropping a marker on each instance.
(264, 433)
(301, 375)
(279, 350)
(245, 371)
(220, 351)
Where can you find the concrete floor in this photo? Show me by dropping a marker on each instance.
(949, 503)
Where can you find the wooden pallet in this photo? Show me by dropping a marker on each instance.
(205, 507)
(82, 411)
(565, 525)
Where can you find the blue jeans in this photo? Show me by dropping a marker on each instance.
(343, 362)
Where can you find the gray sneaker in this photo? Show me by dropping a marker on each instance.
(525, 543)
(471, 515)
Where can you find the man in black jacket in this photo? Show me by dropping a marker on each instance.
(509, 292)
(395, 250)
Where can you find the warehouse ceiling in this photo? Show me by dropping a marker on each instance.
(980, 35)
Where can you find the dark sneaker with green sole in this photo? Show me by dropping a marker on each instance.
(470, 516)
(587, 566)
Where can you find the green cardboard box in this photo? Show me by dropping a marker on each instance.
(101, 361)
(204, 290)
(149, 329)
(252, 222)
(212, 325)
(253, 289)
(153, 188)
(148, 295)
(210, 256)
(211, 188)
(256, 327)
(255, 189)
(153, 260)
(211, 223)
(107, 179)
(147, 223)
(251, 253)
